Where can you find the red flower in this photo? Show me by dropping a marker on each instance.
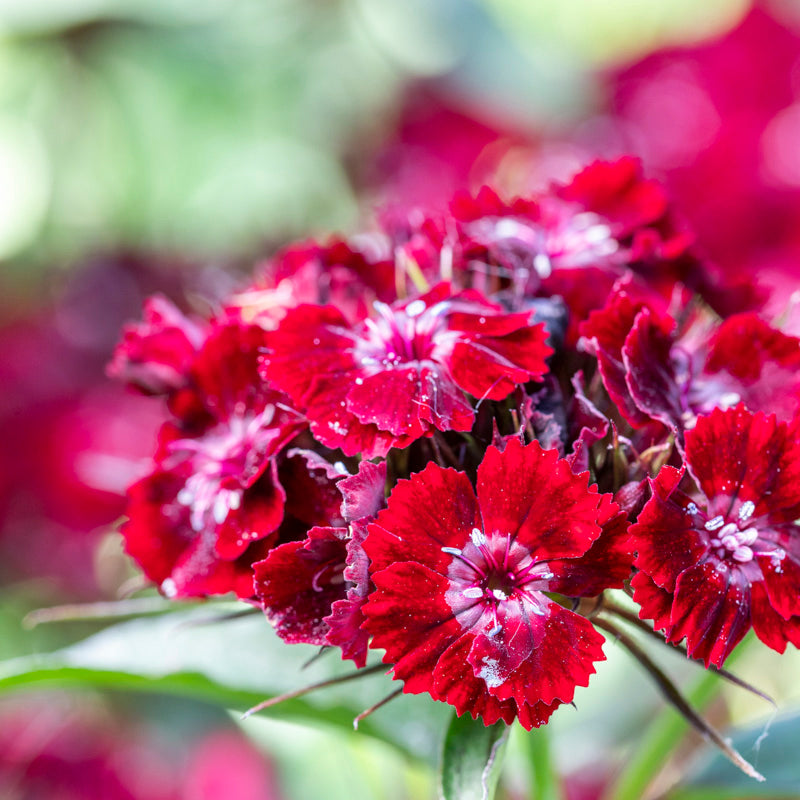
(156, 354)
(460, 603)
(201, 518)
(347, 274)
(716, 561)
(656, 369)
(576, 240)
(387, 381)
(313, 591)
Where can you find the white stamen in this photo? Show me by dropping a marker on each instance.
(499, 594)
(748, 536)
(494, 631)
(221, 508)
(415, 308)
(714, 524)
(454, 551)
(728, 400)
(746, 510)
(478, 537)
(169, 588)
(691, 508)
(743, 554)
(542, 265)
(731, 529)
(473, 593)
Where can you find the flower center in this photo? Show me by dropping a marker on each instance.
(397, 337)
(492, 569)
(734, 539)
(562, 238)
(222, 461)
(500, 584)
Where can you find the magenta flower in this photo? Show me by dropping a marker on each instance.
(461, 605)
(405, 373)
(215, 492)
(716, 561)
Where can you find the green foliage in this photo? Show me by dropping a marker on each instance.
(472, 759)
(774, 754)
(237, 664)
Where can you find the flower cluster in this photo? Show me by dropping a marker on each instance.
(446, 439)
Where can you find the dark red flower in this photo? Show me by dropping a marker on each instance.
(460, 603)
(156, 354)
(717, 560)
(657, 369)
(405, 373)
(214, 501)
(609, 216)
(576, 240)
(313, 590)
(347, 274)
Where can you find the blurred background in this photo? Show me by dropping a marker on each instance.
(169, 146)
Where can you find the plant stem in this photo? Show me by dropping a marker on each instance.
(663, 737)
(545, 784)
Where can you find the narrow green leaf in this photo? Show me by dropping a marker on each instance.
(472, 759)
(775, 755)
(237, 663)
(544, 777)
(661, 738)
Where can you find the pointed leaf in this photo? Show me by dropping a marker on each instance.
(774, 754)
(472, 759)
(236, 663)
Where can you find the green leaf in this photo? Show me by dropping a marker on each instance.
(775, 756)
(472, 759)
(236, 663)
(544, 777)
(660, 740)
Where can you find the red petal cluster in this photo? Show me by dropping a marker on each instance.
(719, 559)
(214, 500)
(405, 372)
(460, 603)
(544, 391)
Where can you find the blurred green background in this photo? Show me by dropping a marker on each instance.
(216, 129)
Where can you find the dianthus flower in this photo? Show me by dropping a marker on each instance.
(214, 501)
(404, 373)
(312, 591)
(348, 274)
(716, 561)
(156, 354)
(656, 368)
(461, 603)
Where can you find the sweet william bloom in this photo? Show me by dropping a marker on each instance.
(214, 502)
(460, 603)
(717, 561)
(313, 591)
(404, 373)
(156, 354)
(348, 274)
(576, 240)
(658, 369)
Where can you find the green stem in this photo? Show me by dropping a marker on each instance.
(663, 737)
(545, 784)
